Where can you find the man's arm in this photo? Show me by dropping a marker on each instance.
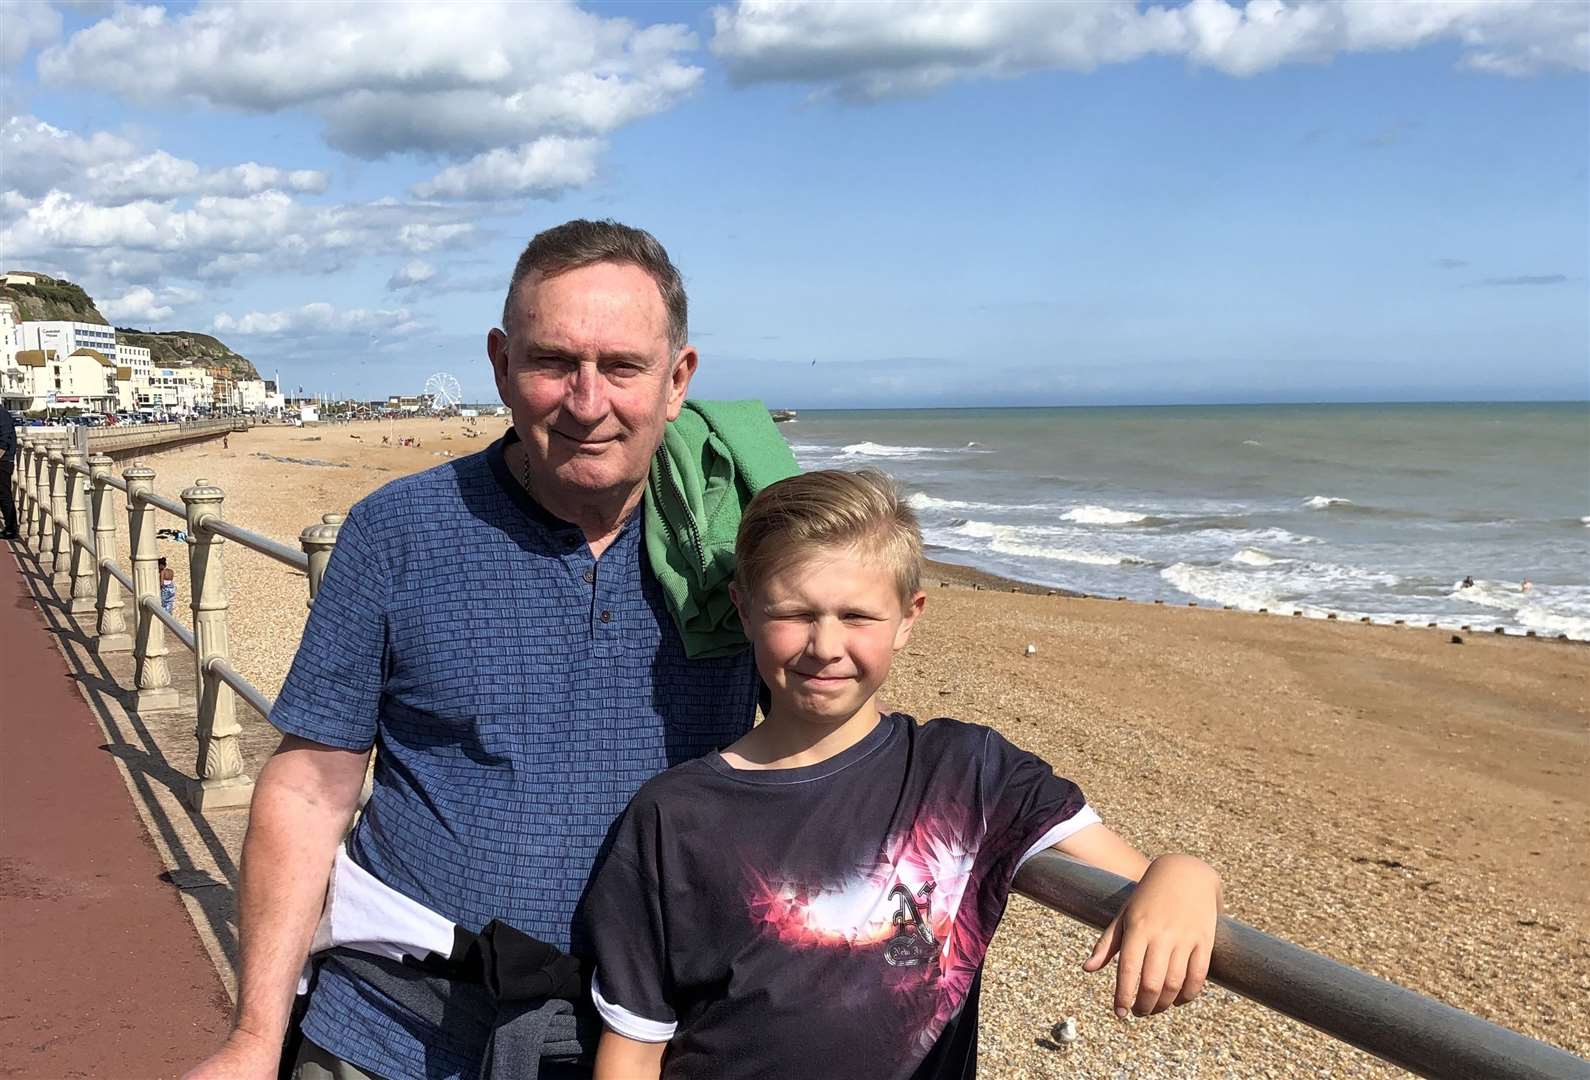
(303, 801)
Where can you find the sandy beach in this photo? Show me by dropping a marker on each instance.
(1403, 803)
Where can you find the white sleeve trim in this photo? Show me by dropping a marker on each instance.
(1070, 826)
(627, 1023)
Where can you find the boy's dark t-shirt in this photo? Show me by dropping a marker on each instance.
(830, 919)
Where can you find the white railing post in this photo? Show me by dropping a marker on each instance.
(221, 783)
(151, 675)
(112, 634)
(60, 540)
(41, 499)
(19, 473)
(82, 562)
(317, 542)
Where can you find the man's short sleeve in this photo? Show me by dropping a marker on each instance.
(333, 690)
(624, 915)
(1027, 807)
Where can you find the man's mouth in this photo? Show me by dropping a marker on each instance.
(583, 442)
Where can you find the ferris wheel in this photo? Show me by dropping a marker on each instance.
(443, 391)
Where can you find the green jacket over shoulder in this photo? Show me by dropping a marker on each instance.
(713, 458)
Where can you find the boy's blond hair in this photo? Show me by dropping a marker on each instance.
(825, 509)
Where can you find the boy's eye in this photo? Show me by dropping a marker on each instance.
(860, 617)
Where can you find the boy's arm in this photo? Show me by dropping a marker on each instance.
(1165, 930)
(621, 1058)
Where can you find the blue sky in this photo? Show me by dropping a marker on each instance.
(939, 203)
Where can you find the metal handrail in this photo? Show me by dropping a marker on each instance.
(245, 689)
(255, 542)
(152, 605)
(1418, 1033)
(170, 506)
(116, 572)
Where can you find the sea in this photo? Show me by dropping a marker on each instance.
(1354, 510)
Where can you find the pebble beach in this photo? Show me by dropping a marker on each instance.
(1408, 801)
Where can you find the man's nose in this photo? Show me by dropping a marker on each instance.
(585, 397)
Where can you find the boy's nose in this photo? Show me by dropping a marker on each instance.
(827, 640)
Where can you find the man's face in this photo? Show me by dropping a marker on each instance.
(587, 371)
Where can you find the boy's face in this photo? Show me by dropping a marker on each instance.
(825, 630)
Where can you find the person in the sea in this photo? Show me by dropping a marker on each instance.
(818, 898)
(1468, 583)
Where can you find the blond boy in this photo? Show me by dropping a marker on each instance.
(817, 899)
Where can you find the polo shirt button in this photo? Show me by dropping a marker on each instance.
(590, 577)
(607, 616)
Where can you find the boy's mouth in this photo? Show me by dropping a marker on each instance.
(822, 680)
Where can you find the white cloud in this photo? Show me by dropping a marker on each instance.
(221, 237)
(28, 25)
(452, 79)
(547, 167)
(320, 318)
(871, 51)
(413, 272)
(144, 306)
(109, 169)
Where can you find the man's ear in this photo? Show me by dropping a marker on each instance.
(497, 353)
(913, 611)
(679, 379)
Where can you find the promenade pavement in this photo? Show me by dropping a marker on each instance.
(108, 977)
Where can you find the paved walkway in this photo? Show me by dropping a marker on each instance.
(106, 976)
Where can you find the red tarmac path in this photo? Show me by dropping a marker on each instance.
(105, 975)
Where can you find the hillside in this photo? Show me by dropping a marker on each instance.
(170, 346)
(58, 300)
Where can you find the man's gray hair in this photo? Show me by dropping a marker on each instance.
(580, 243)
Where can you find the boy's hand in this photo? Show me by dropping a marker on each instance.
(1164, 934)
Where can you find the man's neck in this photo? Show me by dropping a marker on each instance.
(599, 518)
(786, 741)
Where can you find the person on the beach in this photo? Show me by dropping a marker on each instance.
(495, 625)
(168, 588)
(817, 899)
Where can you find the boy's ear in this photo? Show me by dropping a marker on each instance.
(913, 611)
(738, 601)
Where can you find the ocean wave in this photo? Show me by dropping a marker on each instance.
(1025, 541)
(1254, 557)
(1103, 515)
(1251, 442)
(1073, 555)
(920, 500)
(1325, 502)
(1240, 590)
(872, 449)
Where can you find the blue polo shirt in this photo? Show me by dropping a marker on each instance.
(518, 693)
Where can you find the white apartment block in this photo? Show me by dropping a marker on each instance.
(14, 381)
(65, 338)
(182, 390)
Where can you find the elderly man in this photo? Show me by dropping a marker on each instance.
(492, 624)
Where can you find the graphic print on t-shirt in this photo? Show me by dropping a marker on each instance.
(903, 912)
